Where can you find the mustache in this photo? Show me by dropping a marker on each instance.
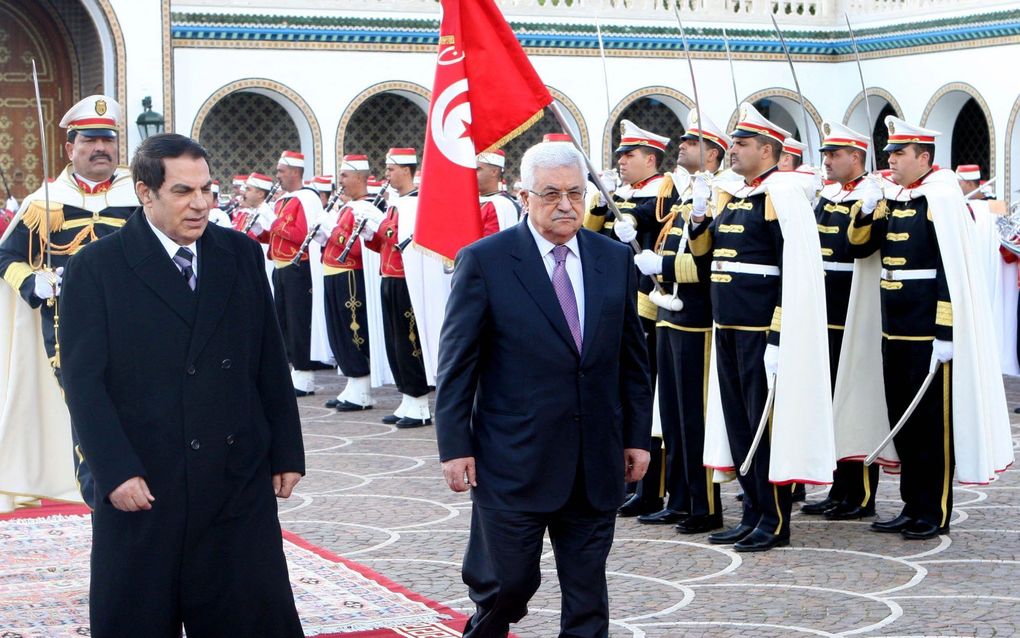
(101, 154)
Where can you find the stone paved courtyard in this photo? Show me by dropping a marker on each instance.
(376, 495)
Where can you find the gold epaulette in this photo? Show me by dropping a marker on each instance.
(36, 213)
(722, 198)
(593, 222)
(770, 209)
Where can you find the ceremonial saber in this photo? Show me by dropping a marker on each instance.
(694, 85)
(52, 301)
(605, 72)
(932, 371)
(978, 189)
(796, 83)
(733, 75)
(864, 90)
(745, 467)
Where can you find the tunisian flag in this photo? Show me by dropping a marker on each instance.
(485, 94)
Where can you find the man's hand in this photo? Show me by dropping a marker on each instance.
(635, 464)
(47, 283)
(284, 483)
(870, 193)
(132, 496)
(771, 360)
(942, 350)
(460, 473)
(625, 230)
(648, 262)
(700, 192)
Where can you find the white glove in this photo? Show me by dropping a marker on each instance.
(11, 205)
(700, 191)
(367, 231)
(624, 229)
(871, 194)
(47, 284)
(942, 350)
(611, 182)
(771, 360)
(256, 228)
(648, 262)
(320, 237)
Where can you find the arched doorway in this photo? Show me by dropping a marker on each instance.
(782, 107)
(28, 32)
(548, 123)
(383, 121)
(959, 112)
(657, 110)
(245, 132)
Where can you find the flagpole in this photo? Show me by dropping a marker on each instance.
(555, 108)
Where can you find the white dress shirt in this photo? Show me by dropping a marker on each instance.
(171, 247)
(573, 266)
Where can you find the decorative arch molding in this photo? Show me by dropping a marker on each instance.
(674, 99)
(294, 104)
(872, 92)
(938, 116)
(575, 114)
(112, 34)
(416, 93)
(1011, 130)
(790, 96)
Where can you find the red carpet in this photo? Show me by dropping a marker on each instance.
(303, 557)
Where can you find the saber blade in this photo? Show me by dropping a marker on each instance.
(45, 166)
(864, 91)
(745, 467)
(796, 83)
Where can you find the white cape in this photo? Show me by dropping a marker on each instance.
(802, 446)
(1001, 278)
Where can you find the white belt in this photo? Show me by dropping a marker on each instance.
(746, 269)
(839, 266)
(904, 275)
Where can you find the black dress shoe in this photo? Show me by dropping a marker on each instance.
(406, 422)
(894, 526)
(732, 535)
(761, 541)
(663, 517)
(302, 393)
(921, 530)
(799, 493)
(699, 524)
(332, 403)
(390, 419)
(821, 507)
(636, 506)
(347, 406)
(848, 512)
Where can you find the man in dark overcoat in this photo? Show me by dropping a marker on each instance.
(190, 425)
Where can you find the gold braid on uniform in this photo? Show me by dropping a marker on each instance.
(665, 190)
(770, 209)
(33, 218)
(353, 303)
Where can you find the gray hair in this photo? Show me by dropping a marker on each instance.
(550, 155)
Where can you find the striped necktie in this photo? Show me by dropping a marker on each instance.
(183, 259)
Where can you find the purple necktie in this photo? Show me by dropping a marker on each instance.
(183, 259)
(565, 293)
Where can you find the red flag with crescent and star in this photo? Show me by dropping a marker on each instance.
(485, 93)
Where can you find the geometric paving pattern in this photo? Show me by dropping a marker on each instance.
(376, 495)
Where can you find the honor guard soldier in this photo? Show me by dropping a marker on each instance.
(792, 157)
(755, 277)
(644, 199)
(216, 214)
(296, 211)
(499, 209)
(237, 185)
(254, 203)
(969, 176)
(844, 153)
(323, 185)
(344, 283)
(684, 338)
(935, 329)
(91, 198)
(403, 346)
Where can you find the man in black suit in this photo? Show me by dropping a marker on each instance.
(190, 425)
(543, 404)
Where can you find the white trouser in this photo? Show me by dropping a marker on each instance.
(358, 391)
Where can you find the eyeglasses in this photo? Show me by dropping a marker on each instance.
(554, 197)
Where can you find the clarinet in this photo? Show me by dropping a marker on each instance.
(251, 219)
(232, 206)
(334, 198)
(360, 227)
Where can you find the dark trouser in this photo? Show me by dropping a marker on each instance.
(683, 385)
(852, 483)
(743, 390)
(403, 349)
(501, 566)
(292, 291)
(925, 444)
(347, 321)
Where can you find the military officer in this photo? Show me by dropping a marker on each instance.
(792, 156)
(91, 198)
(684, 338)
(844, 152)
